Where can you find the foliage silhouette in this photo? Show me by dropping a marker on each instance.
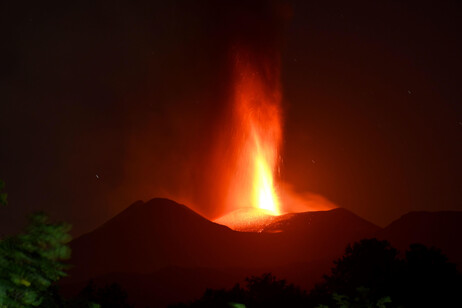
(260, 291)
(31, 261)
(109, 296)
(429, 280)
(370, 274)
(369, 264)
(3, 195)
(362, 299)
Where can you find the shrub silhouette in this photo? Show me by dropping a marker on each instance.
(109, 296)
(260, 291)
(370, 264)
(31, 261)
(3, 195)
(369, 274)
(424, 278)
(428, 279)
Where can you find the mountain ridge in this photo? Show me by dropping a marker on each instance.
(148, 236)
(161, 240)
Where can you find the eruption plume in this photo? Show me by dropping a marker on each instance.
(254, 196)
(258, 133)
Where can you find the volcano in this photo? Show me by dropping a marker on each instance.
(148, 240)
(250, 219)
(149, 236)
(156, 246)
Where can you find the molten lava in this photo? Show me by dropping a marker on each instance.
(258, 133)
(251, 147)
(265, 197)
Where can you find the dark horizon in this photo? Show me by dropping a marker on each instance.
(105, 104)
(159, 262)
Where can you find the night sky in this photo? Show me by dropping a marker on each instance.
(103, 103)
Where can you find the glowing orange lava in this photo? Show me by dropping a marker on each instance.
(257, 125)
(265, 196)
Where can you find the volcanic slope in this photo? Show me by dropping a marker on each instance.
(161, 233)
(439, 229)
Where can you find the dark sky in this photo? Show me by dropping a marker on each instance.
(103, 103)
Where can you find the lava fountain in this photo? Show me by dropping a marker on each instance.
(259, 115)
(257, 136)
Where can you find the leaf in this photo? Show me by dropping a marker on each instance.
(384, 300)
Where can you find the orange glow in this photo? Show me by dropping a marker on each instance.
(247, 219)
(257, 133)
(265, 196)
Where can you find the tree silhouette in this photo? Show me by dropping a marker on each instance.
(109, 296)
(370, 274)
(370, 264)
(260, 291)
(267, 291)
(429, 280)
(360, 300)
(31, 261)
(3, 195)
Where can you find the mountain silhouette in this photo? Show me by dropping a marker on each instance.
(439, 229)
(154, 247)
(149, 236)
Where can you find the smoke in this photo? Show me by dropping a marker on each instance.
(156, 115)
(293, 201)
(129, 102)
(190, 149)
